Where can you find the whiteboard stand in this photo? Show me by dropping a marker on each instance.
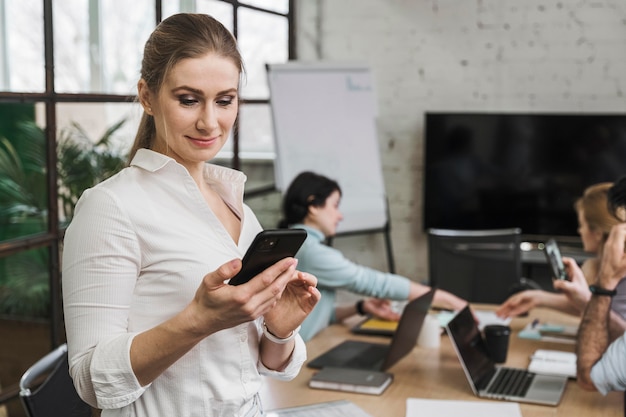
(324, 117)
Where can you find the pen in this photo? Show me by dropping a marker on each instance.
(534, 323)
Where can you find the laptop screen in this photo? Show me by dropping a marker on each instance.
(471, 347)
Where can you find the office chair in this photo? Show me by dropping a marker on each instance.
(481, 266)
(55, 396)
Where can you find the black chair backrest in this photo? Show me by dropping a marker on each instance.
(481, 266)
(56, 395)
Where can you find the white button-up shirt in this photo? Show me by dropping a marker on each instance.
(134, 255)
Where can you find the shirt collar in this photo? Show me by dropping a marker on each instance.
(229, 183)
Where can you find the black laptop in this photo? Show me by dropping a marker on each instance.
(379, 356)
(498, 382)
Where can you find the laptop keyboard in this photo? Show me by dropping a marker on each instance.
(511, 382)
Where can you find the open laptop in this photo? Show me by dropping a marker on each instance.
(379, 356)
(498, 382)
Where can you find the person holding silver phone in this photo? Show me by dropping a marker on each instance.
(594, 224)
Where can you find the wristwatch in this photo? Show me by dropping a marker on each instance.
(596, 290)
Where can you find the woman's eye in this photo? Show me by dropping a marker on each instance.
(187, 101)
(225, 101)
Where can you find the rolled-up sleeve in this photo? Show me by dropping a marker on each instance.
(292, 369)
(609, 373)
(100, 269)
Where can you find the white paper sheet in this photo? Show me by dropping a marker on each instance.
(420, 407)
(341, 408)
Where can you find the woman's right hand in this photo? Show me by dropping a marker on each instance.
(218, 305)
(519, 303)
(576, 289)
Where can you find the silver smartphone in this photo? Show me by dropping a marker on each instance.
(553, 255)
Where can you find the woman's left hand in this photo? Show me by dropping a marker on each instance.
(297, 301)
(380, 308)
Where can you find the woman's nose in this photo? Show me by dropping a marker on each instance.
(208, 119)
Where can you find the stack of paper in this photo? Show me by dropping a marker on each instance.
(553, 362)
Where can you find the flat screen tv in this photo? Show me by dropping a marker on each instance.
(501, 170)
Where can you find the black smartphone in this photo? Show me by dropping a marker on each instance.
(267, 248)
(553, 254)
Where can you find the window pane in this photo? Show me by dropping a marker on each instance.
(99, 50)
(23, 178)
(82, 163)
(262, 40)
(218, 9)
(125, 27)
(21, 46)
(24, 284)
(256, 137)
(280, 6)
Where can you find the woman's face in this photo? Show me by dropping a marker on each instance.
(195, 108)
(327, 217)
(591, 238)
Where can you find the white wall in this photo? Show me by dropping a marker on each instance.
(500, 55)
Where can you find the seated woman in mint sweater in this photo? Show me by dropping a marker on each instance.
(312, 203)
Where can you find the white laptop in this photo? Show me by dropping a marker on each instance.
(498, 382)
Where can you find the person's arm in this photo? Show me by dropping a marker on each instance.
(217, 306)
(342, 312)
(442, 298)
(524, 301)
(294, 303)
(376, 307)
(593, 334)
(593, 339)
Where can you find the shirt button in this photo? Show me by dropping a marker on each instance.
(243, 337)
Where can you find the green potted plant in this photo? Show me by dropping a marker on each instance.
(81, 163)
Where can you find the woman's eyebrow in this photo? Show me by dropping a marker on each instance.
(200, 92)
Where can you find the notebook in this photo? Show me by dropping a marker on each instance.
(380, 356)
(376, 327)
(498, 382)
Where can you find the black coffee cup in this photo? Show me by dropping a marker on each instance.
(497, 341)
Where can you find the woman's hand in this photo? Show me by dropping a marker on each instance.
(576, 289)
(381, 309)
(520, 303)
(218, 305)
(298, 299)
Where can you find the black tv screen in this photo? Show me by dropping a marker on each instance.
(489, 170)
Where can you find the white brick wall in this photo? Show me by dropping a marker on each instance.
(499, 55)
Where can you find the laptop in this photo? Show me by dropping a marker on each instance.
(359, 354)
(498, 382)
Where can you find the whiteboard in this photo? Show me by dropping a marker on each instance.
(324, 118)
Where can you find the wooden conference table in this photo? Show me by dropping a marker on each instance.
(437, 374)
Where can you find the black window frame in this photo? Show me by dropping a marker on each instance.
(52, 239)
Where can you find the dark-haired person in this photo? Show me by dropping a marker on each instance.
(153, 328)
(312, 202)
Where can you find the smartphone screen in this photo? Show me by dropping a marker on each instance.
(267, 248)
(553, 254)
